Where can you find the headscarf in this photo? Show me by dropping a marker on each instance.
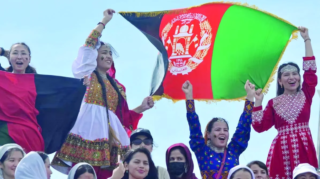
(74, 169)
(236, 168)
(304, 168)
(31, 167)
(5, 148)
(189, 174)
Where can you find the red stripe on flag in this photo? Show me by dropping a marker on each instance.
(191, 35)
(17, 108)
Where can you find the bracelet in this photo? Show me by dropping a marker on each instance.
(2, 51)
(307, 39)
(104, 25)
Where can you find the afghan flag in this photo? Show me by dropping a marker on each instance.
(216, 46)
(38, 111)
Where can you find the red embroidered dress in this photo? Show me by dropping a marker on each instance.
(290, 115)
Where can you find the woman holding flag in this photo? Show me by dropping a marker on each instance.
(104, 121)
(289, 112)
(215, 157)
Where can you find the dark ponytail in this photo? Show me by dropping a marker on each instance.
(112, 134)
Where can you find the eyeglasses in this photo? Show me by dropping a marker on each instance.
(145, 141)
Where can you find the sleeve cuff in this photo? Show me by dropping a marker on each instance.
(309, 58)
(258, 108)
(190, 106)
(248, 106)
(93, 39)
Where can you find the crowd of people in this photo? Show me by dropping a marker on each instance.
(106, 143)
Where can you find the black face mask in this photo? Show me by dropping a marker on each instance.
(176, 168)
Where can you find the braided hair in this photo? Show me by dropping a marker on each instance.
(112, 135)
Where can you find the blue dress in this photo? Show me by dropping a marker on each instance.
(209, 161)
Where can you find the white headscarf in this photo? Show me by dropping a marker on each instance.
(75, 168)
(5, 148)
(31, 167)
(234, 169)
(304, 168)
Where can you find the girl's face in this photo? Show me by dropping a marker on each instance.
(138, 166)
(19, 58)
(10, 164)
(47, 164)
(259, 173)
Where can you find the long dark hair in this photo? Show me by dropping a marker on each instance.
(8, 153)
(241, 169)
(183, 152)
(29, 68)
(83, 169)
(210, 125)
(153, 172)
(44, 156)
(260, 164)
(112, 134)
(280, 90)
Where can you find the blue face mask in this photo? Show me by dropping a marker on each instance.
(177, 168)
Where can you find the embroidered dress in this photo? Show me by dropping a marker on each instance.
(88, 139)
(290, 114)
(209, 161)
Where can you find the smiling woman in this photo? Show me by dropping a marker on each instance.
(215, 157)
(289, 112)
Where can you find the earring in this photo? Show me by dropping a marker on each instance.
(127, 171)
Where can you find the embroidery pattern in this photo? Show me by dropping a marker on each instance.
(92, 40)
(257, 116)
(94, 93)
(295, 149)
(270, 154)
(288, 107)
(97, 152)
(286, 156)
(294, 128)
(309, 64)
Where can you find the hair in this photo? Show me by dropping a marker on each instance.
(183, 152)
(83, 169)
(153, 172)
(29, 68)
(241, 169)
(44, 156)
(8, 153)
(112, 134)
(260, 164)
(280, 90)
(210, 125)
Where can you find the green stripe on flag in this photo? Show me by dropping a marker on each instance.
(248, 45)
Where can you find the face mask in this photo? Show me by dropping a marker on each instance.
(176, 168)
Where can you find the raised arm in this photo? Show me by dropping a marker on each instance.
(86, 62)
(310, 79)
(3, 53)
(197, 142)
(262, 120)
(241, 137)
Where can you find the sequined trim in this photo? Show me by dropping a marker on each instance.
(208, 174)
(92, 40)
(190, 106)
(309, 64)
(94, 93)
(97, 152)
(289, 107)
(294, 128)
(257, 116)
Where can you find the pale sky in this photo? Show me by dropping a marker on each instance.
(55, 30)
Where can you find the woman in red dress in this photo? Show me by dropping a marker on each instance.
(289, 112)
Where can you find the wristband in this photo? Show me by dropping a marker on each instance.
(307, 39)
(104, 25)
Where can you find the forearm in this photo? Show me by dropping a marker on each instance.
(139, 109)
(100, 27)
(308, 47)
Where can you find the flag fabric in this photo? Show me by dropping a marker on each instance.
(38, 111)
(216, 46)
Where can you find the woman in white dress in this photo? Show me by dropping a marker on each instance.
(104, 121)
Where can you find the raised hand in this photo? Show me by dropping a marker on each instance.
(86, 80)
(118, 173)
(304, 33)
(147, 103)
(108, 14)
(187, 89)
(250, 89)
(259, 97)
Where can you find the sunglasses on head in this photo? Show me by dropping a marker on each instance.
(145, 141)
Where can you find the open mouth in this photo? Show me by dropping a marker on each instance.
(292, 83)
(19, 63)
(222, 138)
